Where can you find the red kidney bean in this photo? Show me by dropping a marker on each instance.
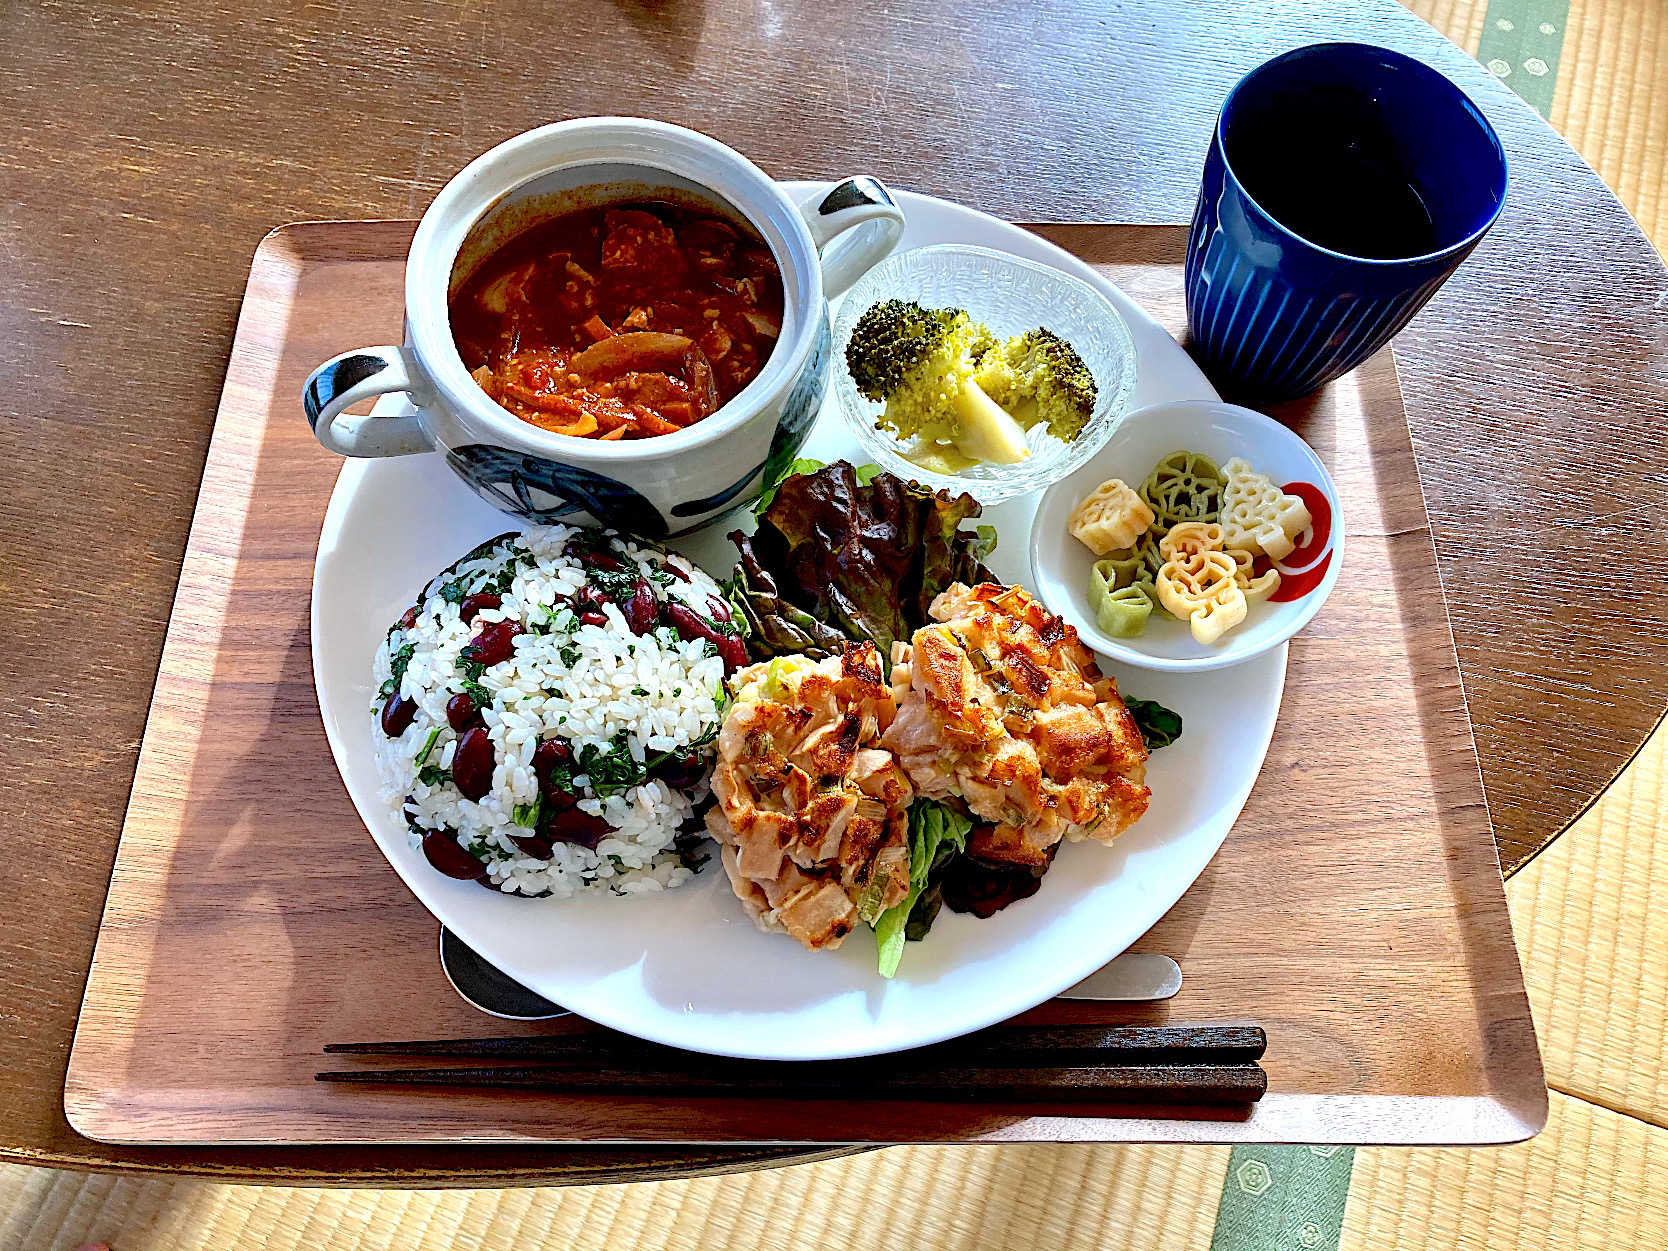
(720, 609)
(592, 557)
(641, 610)
(592, 617)
(461, 713)
(677, 573)
(410, 618)
(574, 826)
(397, 714)
(441, 848)
(495, 643)
(734, 652)
(534, 846)
(689, 626)
(472, 604)
(680, 772)
(472, 764)
(549, 754)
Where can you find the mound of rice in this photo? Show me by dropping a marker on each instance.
(529, 642)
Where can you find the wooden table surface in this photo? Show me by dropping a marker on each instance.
(145, 149)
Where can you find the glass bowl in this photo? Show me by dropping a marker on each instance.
(1010, 296)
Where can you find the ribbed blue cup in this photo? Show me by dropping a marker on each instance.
(1273, 314)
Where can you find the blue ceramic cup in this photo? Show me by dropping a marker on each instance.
(1344, 184)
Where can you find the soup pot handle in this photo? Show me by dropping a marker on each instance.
(863, 207)
(343, 381)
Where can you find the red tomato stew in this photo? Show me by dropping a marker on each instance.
(622, 322)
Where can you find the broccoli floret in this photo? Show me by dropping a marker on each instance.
(1038, 376)
(947, 382)
(917, 361)
(891, 339)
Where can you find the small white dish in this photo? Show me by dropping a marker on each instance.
(1010, 295)
(1060, 564)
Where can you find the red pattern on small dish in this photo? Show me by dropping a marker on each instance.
(1305, 568)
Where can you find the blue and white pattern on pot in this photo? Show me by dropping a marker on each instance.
(544, 490)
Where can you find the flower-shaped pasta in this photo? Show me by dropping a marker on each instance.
(1184, 486)
(1257, 589)
(1112, 516)
(1120, 611)
(1189, 538)
(1257, 515)
(1201, 589)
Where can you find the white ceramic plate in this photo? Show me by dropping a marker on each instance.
(1060, 564)
(687, 968)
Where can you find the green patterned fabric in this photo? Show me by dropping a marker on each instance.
(1283, 1199)
(1522, 41)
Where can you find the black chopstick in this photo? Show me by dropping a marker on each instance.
(1177, 1083)
(1057, 1046)
(1177, 1063)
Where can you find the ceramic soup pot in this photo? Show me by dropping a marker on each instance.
(652, 487)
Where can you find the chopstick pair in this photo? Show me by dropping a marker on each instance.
(1214, 1064)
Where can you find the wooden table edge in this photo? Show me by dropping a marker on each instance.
(1587, 807)
(418, 1176)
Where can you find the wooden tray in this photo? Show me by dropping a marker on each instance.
(1356, 911)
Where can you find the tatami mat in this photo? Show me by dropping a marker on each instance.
(908, 1198)
(1586, 1182)
(1460, 20)
(1611, 101)
(1610, 94)
(1590, 914)
(1592, 1181)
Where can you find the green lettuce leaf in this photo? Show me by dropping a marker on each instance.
(936, 832)
(774, 626)
(1158, 725)
(803, 464)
